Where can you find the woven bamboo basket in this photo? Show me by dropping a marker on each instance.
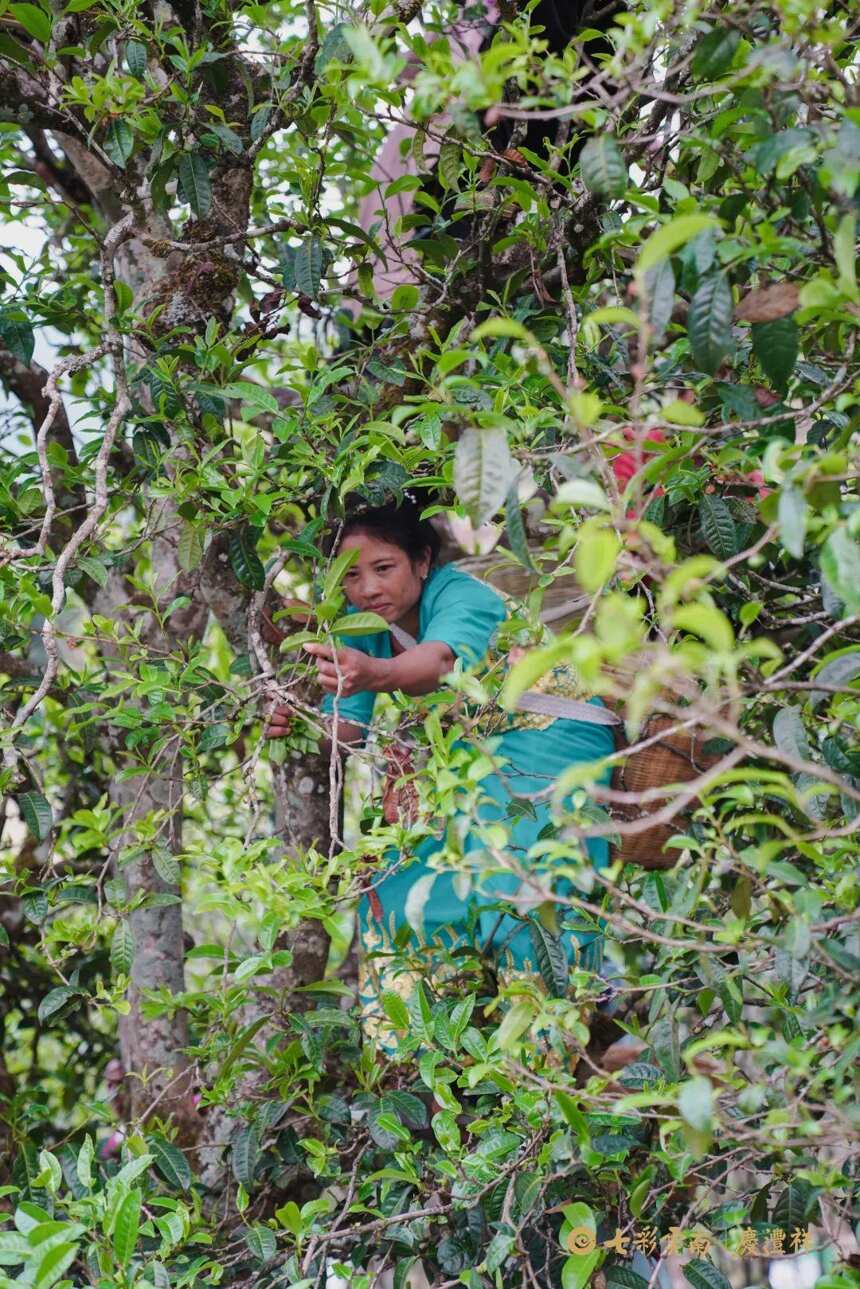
(676, 758)
(563, 601)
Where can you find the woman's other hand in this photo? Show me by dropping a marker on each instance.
(358, 671)
(280, 722)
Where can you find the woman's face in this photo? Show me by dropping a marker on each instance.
(383, 579)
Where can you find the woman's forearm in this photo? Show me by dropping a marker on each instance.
(416, 671)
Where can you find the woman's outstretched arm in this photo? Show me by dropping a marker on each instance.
(415, 671)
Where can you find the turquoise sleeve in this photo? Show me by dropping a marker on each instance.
(465, 616)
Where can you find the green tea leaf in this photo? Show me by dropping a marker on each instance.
(450, 163)
(122, 949)
(119, 141)
(704, 1275)
(840, 564)
(776, 345)
(170, 1161)
(718, 527)
(35, 21)
(36, 813)
(57, 1002)
(245, 1155)
(670, 238)
(715, 53)
(244, 560)
(16, 334)
(602, 167)
(194, 185)
(126, 1226)
(792, 520)
(262, 1242)
(307, 266)
(709, 322)
(136, 58)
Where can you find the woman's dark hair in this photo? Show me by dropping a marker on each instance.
(399, 524)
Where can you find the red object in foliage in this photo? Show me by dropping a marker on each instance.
(626, 464)
(375, 905)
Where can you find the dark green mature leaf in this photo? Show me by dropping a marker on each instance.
(624, 1277)
(516, 530)
(16, 334)
(718, 526)
(602, 167)
(229, 138)
(715, 53)
(838, 671)
(262, 1242)
(660, 298)
(36, 813)
(170, 1161)
(122, 949)
(401, 1272)
(194, 184)
(639, 1074)
(574, 1117)
(34, 906)
(410, 1108)
(450, 163)
(166, 865)
(214, 736)
(704, 1275)
(776, 346)
(119, 141)
(732, 999)
(709, 322)
(307, 266)
(245, 1156)
(381, 1127)
(789, 733)
(259, 121)
(551, 959)
(136, 58)
(334, 46)
(665, 1044)
(796, 1206)
(244, 560)
(57, 1002)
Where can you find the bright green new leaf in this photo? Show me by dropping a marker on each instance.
(670, 238)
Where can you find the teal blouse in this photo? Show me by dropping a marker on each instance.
(455, 609)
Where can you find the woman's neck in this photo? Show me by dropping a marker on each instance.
(410, 621)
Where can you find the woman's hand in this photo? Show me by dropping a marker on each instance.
(358, 671)
(280, 722)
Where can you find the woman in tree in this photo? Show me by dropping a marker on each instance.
(440, 616)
